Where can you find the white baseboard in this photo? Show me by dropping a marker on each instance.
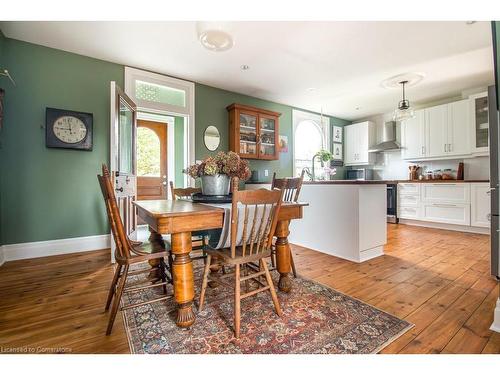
(496, 320)
(29, 250)
(458, 228)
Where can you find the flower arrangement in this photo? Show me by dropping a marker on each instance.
(228, 163)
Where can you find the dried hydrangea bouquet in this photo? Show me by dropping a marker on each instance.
(216, 172)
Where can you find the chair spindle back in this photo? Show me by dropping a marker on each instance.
(291, 187)
(182, 192)
(258, 228)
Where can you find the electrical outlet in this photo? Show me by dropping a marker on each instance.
(266, 172)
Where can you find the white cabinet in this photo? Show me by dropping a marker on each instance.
(449, 213)
(480, 205)
(458, 128)
(478, 108)
(413, 137)
(350, 152)
(438, 132)
(409, 200)
(436, 123)
(442, 192)
(358, 139)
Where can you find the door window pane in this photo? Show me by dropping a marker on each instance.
(148, 153)
(159, 93)
(125, 130)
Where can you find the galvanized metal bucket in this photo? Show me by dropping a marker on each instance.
(215, 185)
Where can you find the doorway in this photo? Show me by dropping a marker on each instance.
(152, 163)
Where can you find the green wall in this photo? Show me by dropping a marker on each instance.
(211, 106)
(52, 193)
(48, 194)
(179, 151)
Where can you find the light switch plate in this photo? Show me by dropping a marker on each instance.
(266, 172)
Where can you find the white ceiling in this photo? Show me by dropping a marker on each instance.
(344, 61)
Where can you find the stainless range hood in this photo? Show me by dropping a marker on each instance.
(389, 142)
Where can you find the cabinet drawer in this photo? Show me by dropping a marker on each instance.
(446, 213)
(408, 212)
(446, 193)
(409, 188)
(409, 200)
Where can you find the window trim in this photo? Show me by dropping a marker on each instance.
(299, 116)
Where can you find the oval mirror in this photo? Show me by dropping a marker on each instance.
(212, 138)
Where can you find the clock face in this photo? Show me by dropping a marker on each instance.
(69, 129)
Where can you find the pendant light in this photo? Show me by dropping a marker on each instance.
(404, 111)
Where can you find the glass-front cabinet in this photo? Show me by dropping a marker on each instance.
(480, 122)
(253, 132)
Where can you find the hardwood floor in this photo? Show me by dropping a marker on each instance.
(438, 280)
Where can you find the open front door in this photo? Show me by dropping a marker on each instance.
(123, 156)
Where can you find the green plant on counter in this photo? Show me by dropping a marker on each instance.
(324, 155)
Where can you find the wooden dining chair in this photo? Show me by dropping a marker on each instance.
(127, 253)
(291, 191)
(255, 232)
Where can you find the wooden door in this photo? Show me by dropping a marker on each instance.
(436, 130)
(413, 137)
(151, 160)
(123, 155)
(459, 128)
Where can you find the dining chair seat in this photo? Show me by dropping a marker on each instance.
(240, 258)
(144, 251)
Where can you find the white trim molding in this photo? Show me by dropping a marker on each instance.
(39, 249)
(496, 320)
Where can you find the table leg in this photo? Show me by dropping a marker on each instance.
(182, 269)
(283, 255)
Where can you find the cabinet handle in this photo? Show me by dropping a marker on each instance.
(443, 205)
(445, 147)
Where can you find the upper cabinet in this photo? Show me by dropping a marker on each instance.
(413, 137)
(438, 132)
(253, 132)
(358, 140)
(480, 122)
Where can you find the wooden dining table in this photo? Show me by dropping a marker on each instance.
(181, 217)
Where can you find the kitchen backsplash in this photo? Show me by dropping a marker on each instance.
(390, 166)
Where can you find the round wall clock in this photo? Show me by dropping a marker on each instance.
(68, 129)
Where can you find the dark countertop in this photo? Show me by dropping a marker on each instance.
(374, 182)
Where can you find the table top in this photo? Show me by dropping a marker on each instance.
(180, 207)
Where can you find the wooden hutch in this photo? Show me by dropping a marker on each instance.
(253, 132)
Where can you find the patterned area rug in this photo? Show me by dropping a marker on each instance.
(316, 319)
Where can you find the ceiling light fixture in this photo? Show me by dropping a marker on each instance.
(244, 67)
(214, 36)
(404, 110)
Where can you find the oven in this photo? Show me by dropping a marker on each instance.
(392, 203)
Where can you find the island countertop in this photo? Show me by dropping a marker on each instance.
(374, 182)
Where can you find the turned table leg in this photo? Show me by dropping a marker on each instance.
(283, 255)
(182, 269)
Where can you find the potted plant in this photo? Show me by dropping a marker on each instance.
(215, 172)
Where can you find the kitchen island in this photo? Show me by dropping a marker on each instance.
(345, 218)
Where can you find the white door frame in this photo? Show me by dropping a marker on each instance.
(187, 112)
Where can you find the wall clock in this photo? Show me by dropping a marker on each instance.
(68, 129)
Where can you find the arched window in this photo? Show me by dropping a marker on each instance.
(148, 153)
(310, 135)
